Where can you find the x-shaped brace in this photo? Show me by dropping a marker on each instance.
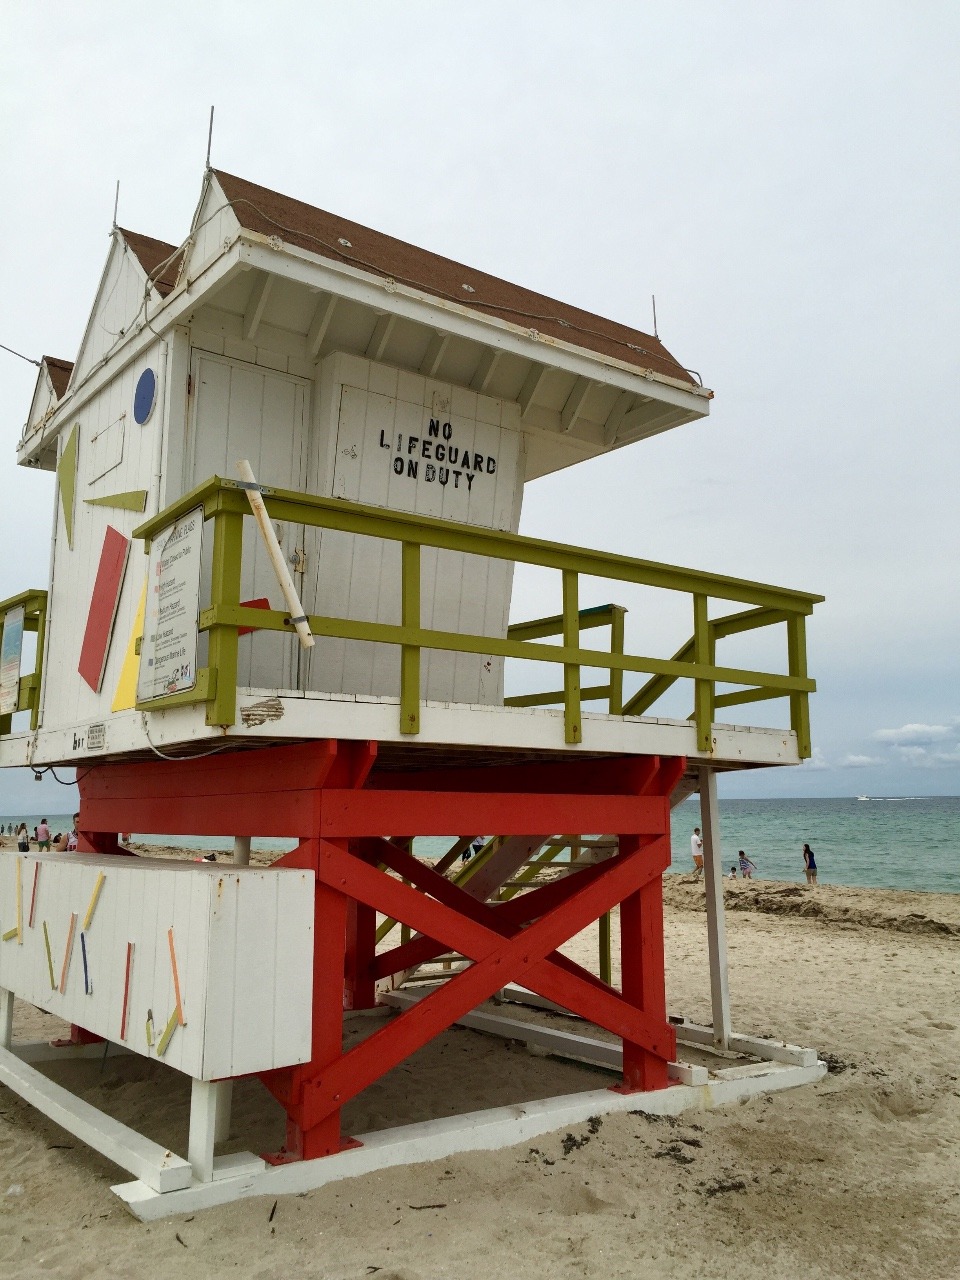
(501, 952)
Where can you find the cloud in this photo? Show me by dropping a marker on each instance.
(859, 762)
(914, 734)
(817, 761)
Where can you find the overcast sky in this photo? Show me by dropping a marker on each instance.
(784, 177)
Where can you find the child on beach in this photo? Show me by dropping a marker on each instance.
(747, 868)
(733, 873)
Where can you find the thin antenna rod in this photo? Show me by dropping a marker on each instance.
(116, 205)
(210, 137)
(20, 354)
(653, 299)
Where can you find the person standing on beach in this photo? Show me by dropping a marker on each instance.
(23, 838)
(747, 868)
(43, 836)
(696, 850)
(809, 865)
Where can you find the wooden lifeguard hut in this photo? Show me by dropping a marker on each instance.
(313, 646)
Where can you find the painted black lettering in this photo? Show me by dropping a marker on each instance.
(443, 474)
(441, 452)
(434, 427)
(491, 466)
(456, 479)
(478, 462)
(425, 447)
(453, 454)
(384, 444)
(398, 466)
(447, 431)
(429, 471)
(412, 443)
(412, 465)
(470, 479)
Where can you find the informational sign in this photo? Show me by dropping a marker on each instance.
(168, 655)
(10, 651)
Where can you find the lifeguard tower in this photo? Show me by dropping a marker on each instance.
(290, 458)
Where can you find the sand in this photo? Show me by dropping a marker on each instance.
(858, 1175)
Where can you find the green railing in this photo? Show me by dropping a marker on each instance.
(225, 503)
(34, 604)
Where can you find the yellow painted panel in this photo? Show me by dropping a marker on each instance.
(67, 476)
(125, 697)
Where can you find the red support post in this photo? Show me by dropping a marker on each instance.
(642, 978)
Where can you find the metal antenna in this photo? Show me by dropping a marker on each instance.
(116, 204)
(210, 137)
(653, 298)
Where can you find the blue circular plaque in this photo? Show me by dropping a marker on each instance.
(145, 396)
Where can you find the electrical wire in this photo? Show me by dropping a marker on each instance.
(200, 755)
(20, 354)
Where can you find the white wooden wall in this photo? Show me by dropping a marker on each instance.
(67, 699)
(118, 303)
(243, 940)
(214, 223)
(375, 420)
(242, 410)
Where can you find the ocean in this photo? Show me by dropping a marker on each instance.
(891, 842)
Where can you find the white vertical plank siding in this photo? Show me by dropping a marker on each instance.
(240, 410)
(239, 956)
(376, 415)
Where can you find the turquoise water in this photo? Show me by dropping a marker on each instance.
(894, 842)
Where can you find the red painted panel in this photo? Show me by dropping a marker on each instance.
(261, 602)
(103, 607)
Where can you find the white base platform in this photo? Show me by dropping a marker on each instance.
(436, 1139)
(166, 1184)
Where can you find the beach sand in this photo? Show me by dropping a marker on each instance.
(857, 1175)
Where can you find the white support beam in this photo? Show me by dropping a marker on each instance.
(241, 851)
(649, 421)
(573, 407)
(607, 1054)
(485, 370)
(436, 349)
(611, 428)
(204, 1097)
(259, 297)
(380, 336)
(532, 384)
(320, 324)
(156, 1166)
(716, 926)
(6, 1018)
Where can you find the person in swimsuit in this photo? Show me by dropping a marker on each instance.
(747, 868)
(809, 865)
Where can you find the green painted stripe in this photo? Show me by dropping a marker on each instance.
(134, 500)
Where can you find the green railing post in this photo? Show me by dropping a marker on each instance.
(571, 671)
(704, 645)
(799, 702)
(38, 663)
(617, 616)
(410, 653)
(225, 590)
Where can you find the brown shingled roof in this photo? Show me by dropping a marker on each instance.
(151, 253)
(259, 209)
(59, 372)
